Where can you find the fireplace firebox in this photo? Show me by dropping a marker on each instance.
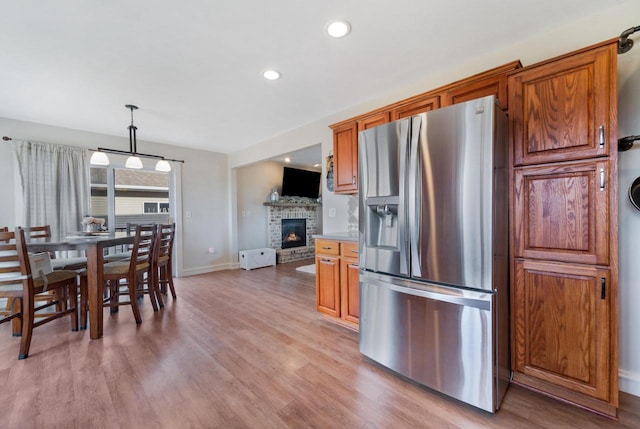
(294, 233)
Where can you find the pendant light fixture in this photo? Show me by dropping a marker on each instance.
(100, 157)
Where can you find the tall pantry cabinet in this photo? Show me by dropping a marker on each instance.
(564, 298)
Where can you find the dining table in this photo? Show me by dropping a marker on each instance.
(94, 244)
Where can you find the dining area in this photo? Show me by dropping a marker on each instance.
(114, 269)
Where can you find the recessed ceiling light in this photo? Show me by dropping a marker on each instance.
(316, 165)
(287, 159)
(338, 28)
(271, 74)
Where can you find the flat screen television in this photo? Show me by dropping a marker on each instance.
(300, 183)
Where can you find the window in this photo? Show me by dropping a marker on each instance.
(129, 196)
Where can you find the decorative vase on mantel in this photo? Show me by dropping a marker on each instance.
(275, 197)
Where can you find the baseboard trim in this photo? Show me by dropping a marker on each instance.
(209, 269)
(629, 382)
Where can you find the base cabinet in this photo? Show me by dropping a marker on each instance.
(337, 281)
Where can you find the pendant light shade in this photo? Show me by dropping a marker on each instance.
(99, 158)
(163, 166)
(133, 162)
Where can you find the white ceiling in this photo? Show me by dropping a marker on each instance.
(193, 66)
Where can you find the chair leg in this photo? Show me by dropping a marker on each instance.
(72, 292)
(84, 301)
(133, 298)
(169, 278)
(27, 325)
(154, 284)
(114, 298)
(151, 288)
(14, 305)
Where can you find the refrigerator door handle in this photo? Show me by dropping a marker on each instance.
(402, 215)
(413, 191)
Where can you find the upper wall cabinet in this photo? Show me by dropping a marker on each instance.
(416, 106)
(560, 109)
(494, 85)
(345, 134)
(345, 159)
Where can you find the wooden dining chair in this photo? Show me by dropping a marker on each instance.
(136, 272)
(22, 286)
(164, 260)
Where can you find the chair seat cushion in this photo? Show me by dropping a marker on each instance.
(55, 277)
(122, 267)
(69, 263)
(162, 259)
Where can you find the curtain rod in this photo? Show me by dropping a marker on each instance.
(121, 152)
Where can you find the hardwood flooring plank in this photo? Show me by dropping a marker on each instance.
(240, 349)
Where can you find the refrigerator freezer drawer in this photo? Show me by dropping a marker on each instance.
(257, 258)
(438, 336)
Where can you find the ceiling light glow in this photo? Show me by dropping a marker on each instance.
(287, 159)
(338, 28)
(271, 74)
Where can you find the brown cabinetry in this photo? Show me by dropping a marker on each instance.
(564, 227)
(563, 109)
(328, 277)
(561, 315)
(345, 159)
(337, 280)
(345, 134)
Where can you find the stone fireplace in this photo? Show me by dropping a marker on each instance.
(303, 218)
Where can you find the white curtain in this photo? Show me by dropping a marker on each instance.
(55, 185)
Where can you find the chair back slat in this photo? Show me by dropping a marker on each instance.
(143, 246)
(166, 234)
(11, 260)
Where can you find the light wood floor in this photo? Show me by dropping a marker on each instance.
(239, 349)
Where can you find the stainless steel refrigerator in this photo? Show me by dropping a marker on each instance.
(433, 242)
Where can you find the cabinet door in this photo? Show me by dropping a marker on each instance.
(560, 110)
(562, 325)
(415, 107)
(328, 285)
(494, 85)
(561, 212)
(373, 121)
(349, 293)
(345, 159)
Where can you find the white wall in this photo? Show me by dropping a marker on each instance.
(610, 21)
(254, 185)
(629, 221)
(204, 186)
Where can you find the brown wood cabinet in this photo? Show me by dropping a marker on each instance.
(337, 280)
(561, 315)
(328, 277)
(564, 227)
(345, 158)
(563, 109)
(345, 133)
(414, 107)
(562, 212)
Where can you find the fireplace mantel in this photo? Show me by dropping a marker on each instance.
(291, 204)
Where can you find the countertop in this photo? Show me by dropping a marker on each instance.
(339, 236)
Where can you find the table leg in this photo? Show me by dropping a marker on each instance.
(95, 285)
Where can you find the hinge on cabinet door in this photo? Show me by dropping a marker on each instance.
(603, 288)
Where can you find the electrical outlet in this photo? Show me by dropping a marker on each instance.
(187, 214)
(332, 212)
(212, 250)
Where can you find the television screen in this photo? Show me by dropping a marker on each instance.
(300, 183)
